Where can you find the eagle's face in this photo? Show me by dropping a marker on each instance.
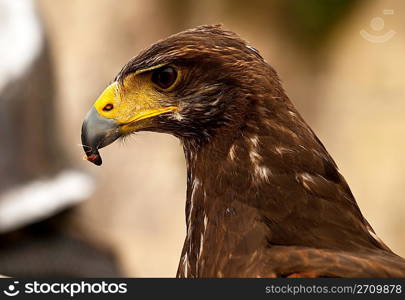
(184, 85)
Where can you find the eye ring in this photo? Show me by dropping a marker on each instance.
(164, 77)
(108, 107)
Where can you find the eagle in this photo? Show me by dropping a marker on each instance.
(264, 197)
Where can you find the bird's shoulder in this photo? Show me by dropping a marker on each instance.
(295, 261)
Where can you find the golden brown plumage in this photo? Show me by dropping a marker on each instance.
(264, 197)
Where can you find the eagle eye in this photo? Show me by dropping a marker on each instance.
(164, 77)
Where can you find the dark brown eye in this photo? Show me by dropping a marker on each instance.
(164, 77)
(108, 107)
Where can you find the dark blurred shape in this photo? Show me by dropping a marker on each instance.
(29, 140)
(36, 180)
(43, 250)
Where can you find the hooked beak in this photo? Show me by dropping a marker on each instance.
(98, 132)
(124, 115)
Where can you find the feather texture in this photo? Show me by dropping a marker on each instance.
(264, 197)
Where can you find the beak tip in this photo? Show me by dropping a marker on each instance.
(97, 132)
(95, 159)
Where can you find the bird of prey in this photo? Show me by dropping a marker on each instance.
(264, 197)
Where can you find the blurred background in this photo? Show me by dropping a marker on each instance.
(342, 64)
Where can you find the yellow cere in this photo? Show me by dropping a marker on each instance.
(134, 100)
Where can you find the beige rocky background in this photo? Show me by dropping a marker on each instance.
(350, 90)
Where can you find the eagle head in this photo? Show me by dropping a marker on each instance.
(189, 85)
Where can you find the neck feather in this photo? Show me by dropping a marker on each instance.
(230, 181)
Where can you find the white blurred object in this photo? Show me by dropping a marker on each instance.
(20, 38)
(43, 198)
